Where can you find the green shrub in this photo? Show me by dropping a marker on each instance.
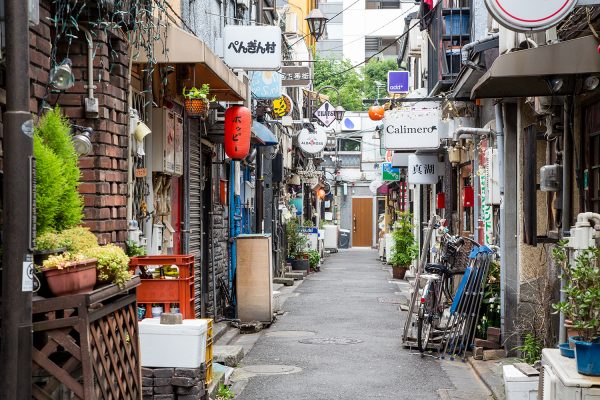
(59, 204)
(296, 242)
(314, 258)
(404, 249)
(48, 241)
(78, 239)
(133, 250)
(113, 263)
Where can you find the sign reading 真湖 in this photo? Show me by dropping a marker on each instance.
(252, 47)
(423, 170)
(530, 15)
(411, 129)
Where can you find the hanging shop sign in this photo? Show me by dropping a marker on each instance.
(411, 129)
(400, 160)
(397, 82)
(423, 170)
(312, 236)
(530, 15)
(295, 76)
(238, 123)
(312, 142)
(254, 48)
(282, 106)
(389, 173)
(266, 85)
(325, 114)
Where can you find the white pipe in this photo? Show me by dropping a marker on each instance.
(465, 132)
(583, 220)
(465, 50)
(502, 229)
(90, 62)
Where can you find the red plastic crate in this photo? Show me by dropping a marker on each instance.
(167, 291)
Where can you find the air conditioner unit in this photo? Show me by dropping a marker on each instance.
(167, 142)
(291, 22)
(492, 176)
(415, 39)
(561, 381)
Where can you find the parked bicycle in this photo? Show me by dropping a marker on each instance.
(438, 291)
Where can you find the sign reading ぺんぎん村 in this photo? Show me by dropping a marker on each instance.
(252, 47)
(530, 15)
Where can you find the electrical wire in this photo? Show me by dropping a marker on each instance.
(170, 7)
(343, 10)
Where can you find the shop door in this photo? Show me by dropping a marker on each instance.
(362, 222)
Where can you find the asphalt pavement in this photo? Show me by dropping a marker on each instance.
(340, 339)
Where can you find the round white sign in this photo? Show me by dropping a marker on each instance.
(312, 142)
(530, 15)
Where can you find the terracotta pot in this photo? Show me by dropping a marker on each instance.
(197, 107)
(571, 331)
(39, 256)
(75, 278)
(398, 272)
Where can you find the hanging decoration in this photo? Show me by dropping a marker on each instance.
(376, 112)
(238, 123)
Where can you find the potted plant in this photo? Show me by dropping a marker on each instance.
(404, 247)
(582, 303)
(314, 259)
(113, 264)
(196, 100)
(69, 273)
(296, 246)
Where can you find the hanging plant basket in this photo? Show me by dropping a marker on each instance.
(197, 107)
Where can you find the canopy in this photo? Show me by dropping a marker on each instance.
(263, 134)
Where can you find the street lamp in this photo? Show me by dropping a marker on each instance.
(316, 23)
(339, 113)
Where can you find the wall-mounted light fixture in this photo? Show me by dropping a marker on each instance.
(82, 139)
(61, 76)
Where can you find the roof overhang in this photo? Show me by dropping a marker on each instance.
(528, 72)
(181, 47)
(263, 135)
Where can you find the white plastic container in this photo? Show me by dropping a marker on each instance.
(518, 386)
(172, 346)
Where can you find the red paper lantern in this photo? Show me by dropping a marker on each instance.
(238, 122)
(376, 113)
(468, 196)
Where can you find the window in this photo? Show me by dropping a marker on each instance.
(349, 144)
(376, 45)
(377, 4)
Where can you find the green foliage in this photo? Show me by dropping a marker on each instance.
(314, 258)
(308, 224)
(490, 308)
(63, 260)
(582, 289)
(133, 250)
(377, 71)
(78, 239)
(296, 242)
(59, 204)
(48, 241)
(195, 93)
(404, 248)
(531, 350)
(113, 263)
(329, 72)
(224, 392)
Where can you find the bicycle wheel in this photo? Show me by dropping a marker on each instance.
(425, 321)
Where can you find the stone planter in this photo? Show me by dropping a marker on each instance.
(300, 265)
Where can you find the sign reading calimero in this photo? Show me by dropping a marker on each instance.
(530, 15)
(253, 47)
(411, 129)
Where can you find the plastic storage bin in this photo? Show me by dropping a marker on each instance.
(173, 346)
(457, 24)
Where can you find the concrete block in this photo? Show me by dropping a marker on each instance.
(147, 391)
(487, 344)
(147, 372)
(147, 382)
(494, 354)
(284, 281)
(171, 319)
(164, 397)
(197, 390)
(163, 390)
(183, 381)
(147, 397)
(162, 381)
(493, 331)
(228, 355)
(297, 276)
(191, 372)
(478, 353)
(163, 372)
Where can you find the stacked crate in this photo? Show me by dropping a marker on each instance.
(209, 352)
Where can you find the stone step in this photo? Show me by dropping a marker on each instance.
(228, 355)
(297, 276)
(284, 281)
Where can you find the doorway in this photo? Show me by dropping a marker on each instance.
(362, 222)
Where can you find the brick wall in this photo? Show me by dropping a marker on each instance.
(220, 240)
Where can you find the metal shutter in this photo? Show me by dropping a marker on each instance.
(196, 212)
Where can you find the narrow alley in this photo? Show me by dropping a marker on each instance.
(339, 338)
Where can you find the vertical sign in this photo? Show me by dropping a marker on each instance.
(486, 210)
(423, 170)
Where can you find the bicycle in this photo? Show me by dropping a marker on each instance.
(438, 291)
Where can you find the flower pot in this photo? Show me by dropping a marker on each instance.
(74, 278)
(39, 256)
(398, 272)
(566, 350)
(588, 356)
(156, 312)
(197, 107)
(571, 332)
(300, 265)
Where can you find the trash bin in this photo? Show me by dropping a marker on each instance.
(344, 238)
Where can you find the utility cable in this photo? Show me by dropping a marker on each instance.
(343, 10)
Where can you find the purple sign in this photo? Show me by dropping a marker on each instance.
(397, 82)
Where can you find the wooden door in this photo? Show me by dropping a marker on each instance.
(362, 222)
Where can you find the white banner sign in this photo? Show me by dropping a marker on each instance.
(530, 15)
(312, 142)
(411, 129)
(253, 47)
(424, 170)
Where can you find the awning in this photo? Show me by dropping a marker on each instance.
(181, 47)
(529, 72)
(263, 135)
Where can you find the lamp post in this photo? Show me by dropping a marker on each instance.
(316, 23)
(339, 110)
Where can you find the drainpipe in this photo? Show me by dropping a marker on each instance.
(466, 49)
(500, 143)
(91, 103)
(18, 230)
(566, 201)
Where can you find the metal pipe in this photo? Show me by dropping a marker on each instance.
(90, 61)
(18, 229)
(185, 232)
(566, 202)
(212, 262)
(476, 185)
(466, 133)
(502, 231)
(466, 49)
